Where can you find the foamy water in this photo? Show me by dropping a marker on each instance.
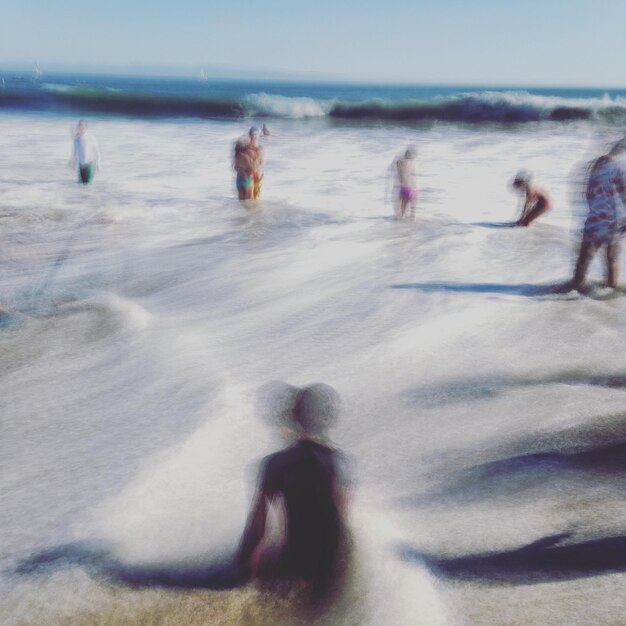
(146, 310)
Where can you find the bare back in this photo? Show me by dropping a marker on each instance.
(406, 172)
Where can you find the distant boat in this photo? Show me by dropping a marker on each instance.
(38, 70)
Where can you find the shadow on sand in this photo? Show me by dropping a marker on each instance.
(539, 562)
(520, 289)
(495, 224)
(548, 469)
(473, 388)
(216, 574)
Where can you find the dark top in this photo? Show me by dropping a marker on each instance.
(307, 477)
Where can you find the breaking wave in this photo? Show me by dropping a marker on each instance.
(480, 107)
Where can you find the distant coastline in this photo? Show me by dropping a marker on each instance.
(25, 68)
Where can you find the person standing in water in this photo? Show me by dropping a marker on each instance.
(249, 161)
(86, 154)
(605, 194)
(307, 480)
(536, 202)
(407, 180)
(257, 152)
(243, 164)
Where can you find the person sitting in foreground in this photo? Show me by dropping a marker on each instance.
(536, 203)
(306, 479)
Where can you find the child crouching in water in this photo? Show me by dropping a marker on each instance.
(536, 202)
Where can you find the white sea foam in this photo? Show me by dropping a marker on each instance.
(521, 97)
(285, 107)
(191, 500)
(153, 304)
(57, 87)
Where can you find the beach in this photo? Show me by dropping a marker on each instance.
(483, 412)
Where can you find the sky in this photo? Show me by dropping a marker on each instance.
(483, 42)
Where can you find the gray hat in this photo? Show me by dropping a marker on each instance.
(275, 402)
(317, 408)
(312, 409)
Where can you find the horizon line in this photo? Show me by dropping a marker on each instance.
(247, 74)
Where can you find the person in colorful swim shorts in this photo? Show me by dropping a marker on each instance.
(243, 164)
(407, 179)
(536, 202)
(606, 221)
(306, 485)
(85, 154)
(258, 160)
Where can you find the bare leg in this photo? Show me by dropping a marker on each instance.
(587, 252)
(612, 256)
(396, 207)
(539, 209)
(403, 205)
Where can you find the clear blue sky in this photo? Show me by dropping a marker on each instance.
(548, 42)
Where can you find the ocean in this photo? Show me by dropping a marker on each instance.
(483, 413)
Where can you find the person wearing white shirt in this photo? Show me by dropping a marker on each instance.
(86, 155)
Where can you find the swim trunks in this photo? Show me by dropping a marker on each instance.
(408, 193)
(86, 172)
(243, 181)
